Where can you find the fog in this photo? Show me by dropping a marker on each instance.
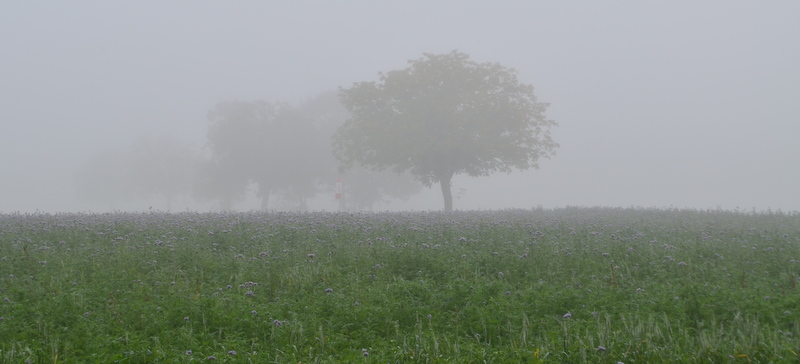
(671, 105)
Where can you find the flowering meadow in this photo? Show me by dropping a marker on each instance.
(577, 285)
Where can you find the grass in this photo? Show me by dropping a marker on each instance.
(574, 285)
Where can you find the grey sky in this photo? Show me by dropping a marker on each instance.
(675, 104)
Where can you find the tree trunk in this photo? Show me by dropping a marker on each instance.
(265, 201)
(444, 182)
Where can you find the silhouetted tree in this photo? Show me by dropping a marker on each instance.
(444, 115)
(274, 146)
(151, 167)
(163, 167)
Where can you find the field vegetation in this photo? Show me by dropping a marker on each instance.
(573, 285)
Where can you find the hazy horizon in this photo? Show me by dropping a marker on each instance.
(669, 105)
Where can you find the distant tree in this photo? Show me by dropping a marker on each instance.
(219, 181)
(363, 187)
(150, 167)
(104, 179)
(444, 115)
(163, 167)
(274, 146)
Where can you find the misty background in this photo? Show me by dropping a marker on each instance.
(680, 104)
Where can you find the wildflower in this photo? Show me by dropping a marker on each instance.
(567, 315)
(185, 319)
(211, 358)
(429, 316)
(364, 352)
(328, 290)
(86, 314)
(787, 313)
(524, 255)
(594, 313)
(253, 312)
(311, 256)
(495, 253)
(766, 298)
(188, 352)
(601, 348)
(682, 263)
(277, 323)
(605, 254)
(377, 266)
(229, 286)
(249, 293)
(500, 274)
(232, 352)
(463, 256)
(508, 293)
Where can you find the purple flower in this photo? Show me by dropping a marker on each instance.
(311, 256)
(328, 290)
(254, 312)
(185, 319)
(211, 358)
(249, 293)
(232, 352)
(188, 352)
(277, 323)
(681, 263)
(601, 348)
(567, 315)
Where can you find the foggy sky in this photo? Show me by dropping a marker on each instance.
(677, 104)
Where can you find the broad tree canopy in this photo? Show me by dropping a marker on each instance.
(445, 115)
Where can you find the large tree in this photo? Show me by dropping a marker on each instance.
(445, 115)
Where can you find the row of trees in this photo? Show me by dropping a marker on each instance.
(252, 147)
(442, 116)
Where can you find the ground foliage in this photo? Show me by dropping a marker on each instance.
(573, 285)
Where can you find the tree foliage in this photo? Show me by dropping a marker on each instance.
(363, 188)
(445, 115)
(274, 146)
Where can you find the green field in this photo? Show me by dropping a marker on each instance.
(574, 285)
